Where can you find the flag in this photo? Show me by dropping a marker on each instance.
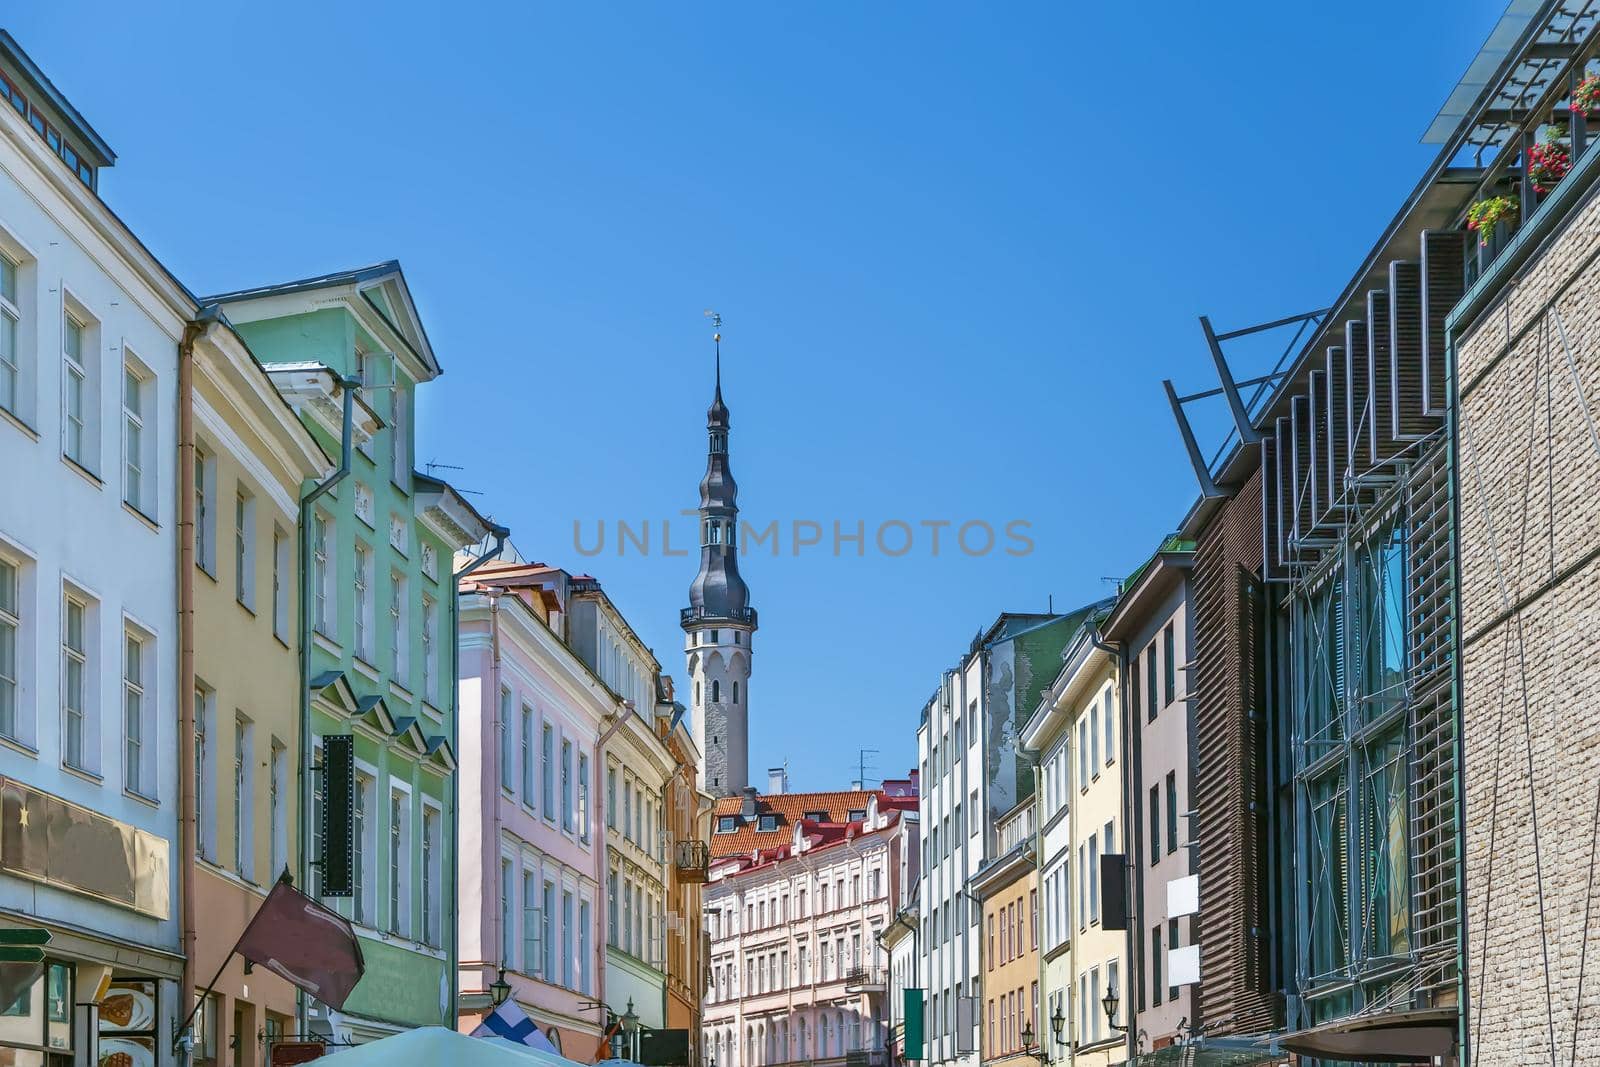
(512, 1023)
(295, 937)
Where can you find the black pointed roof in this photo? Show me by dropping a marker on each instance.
(718, 593)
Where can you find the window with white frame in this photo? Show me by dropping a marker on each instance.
(205, 518)
(280, 583)
(277, 804)
(547, 917)
(244, 547)
(243, 775)
(138, 700)
(11, 647)
(400, 444)
(525, 743)
(77, 726)
(399, 636)
(363, 842)
(585, 950)
(430, 650)
(583, 796)
(205, 708)
(547, 759)
(566, 786)
(139, 466)
(316, 817)
(11, 376)
(363, 601)
(432, 895)
(508, 897)
(363, 503)
(399, 867)
(507, 782)
(79, 390)
(531, 957)
(322, 543)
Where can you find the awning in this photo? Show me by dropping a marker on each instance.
(1208, 1055)
(1394, 1037)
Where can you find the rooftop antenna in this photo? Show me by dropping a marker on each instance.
(1050, 604)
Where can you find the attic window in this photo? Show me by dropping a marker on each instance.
(767, 822)
(727, 824)
(817, 816)
(856, 814)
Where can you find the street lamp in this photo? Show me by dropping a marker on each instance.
(1057, 1021)
(1109, 1003)
(500, 989)
(630, 1026)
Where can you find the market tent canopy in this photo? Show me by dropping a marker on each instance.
(1394, 1037)
(435, 1044)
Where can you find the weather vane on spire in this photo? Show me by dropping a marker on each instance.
(716, 325)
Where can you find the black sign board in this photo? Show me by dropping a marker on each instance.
(1113, 892)
(338, 815)
(664, 1048)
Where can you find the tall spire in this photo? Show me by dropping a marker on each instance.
(718, 592)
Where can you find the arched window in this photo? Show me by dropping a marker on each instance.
(731, 533)
(736, 692)
(697, 694)
(716, 691)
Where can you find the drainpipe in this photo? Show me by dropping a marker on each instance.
(453, 955)
(1073, 889)
(1118, 651)
(617, 718)
(1042, 1025)
(305, 626)
(1452, 451)
(498, 775)
(187, 828)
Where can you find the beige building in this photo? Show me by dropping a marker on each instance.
(1007, 888)
(252, 455)
(1076, 731)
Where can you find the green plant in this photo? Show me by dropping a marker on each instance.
(1484, 215)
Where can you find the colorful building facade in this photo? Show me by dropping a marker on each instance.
(379, 617)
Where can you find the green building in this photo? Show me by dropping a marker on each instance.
(379, 614)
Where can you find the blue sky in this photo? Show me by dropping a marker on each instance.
(957, 248)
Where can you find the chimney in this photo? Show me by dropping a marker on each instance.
(855, 785)
(777, 781)
(747, 805)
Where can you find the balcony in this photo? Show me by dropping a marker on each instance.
(864, 980)
(866, 1057)
(691, 859)
(746, 617)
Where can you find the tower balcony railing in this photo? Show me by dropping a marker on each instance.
(745, 616)
(864, 980)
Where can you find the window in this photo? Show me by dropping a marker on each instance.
(716, 691)
(1172, 943)
(767, 821)
(430, 648)
(280, 583)
(400, 445)
(1133, 688)
(1155, 964)
(508, 904)
(243, 764)
(399, 868)
(10, 640)
(627, 809)
(1083, 881)
(1112, 981)
(75, 683)
(1094, 738)
(566, 786)
(244, 548)
(362, 847)
(1095, 1014)
(507, 765)
(138, 763)
(611, 797)
(1155, 824)
(1170, 665)
(399, 640)
(1109, 721)
(1033, 919)
(432, 898)
(526, 750)
(566, 926)
(585, 971)
(546, 767)
(79, 391)
(11, 383)
(363, 601)
(205, 519)
(1083, 753)
(1172, 812)
(316, 809)
(205, 819)
(321, 573)
(277, 821)
(138, 437)
(611, 910)
(583, 796)
(726, 824)
(1150, 682)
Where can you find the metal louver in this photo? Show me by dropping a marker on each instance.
(1338, 427)
(1408, 422)
(1444, 281)
(1380, 373)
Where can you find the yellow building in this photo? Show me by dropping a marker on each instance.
(1077, 732)
(252, 455)
(1007, 888)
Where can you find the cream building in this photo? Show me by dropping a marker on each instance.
(252, 455)
(1076, 731)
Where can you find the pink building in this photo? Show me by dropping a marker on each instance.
(801, 885)
(532, 890)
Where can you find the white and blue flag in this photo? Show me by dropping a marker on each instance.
(510, 1022)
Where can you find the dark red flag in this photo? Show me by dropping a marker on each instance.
(316, 949)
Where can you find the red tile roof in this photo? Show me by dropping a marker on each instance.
(791, 808)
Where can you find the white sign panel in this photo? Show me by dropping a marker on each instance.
(1183, 965)
(1183, 896)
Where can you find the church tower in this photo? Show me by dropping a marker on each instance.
(719, 624)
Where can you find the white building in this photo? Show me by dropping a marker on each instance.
(90, 327)
(801, 889)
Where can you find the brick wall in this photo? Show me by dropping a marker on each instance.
(1529, 527)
